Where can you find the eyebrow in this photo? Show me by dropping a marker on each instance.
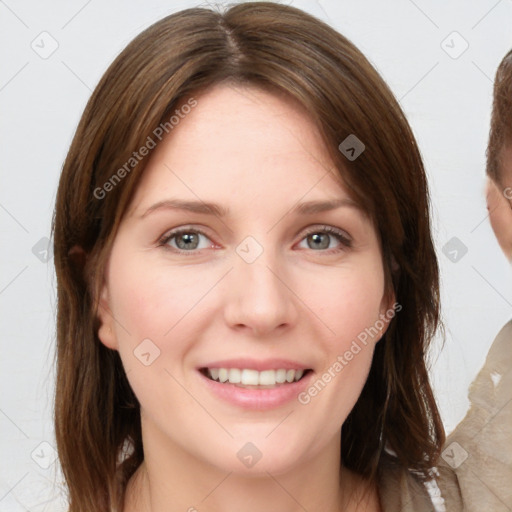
(306, 208)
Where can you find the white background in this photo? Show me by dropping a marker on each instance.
(447, 101)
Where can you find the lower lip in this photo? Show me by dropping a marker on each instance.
(257, 399)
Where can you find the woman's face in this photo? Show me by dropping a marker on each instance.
(284, 273)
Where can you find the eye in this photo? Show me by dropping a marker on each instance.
(321, 238)
(188, 240)
(184, 240)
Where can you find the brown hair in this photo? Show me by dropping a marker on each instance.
(285, 50)
(500, 134)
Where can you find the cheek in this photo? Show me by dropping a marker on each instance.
(151, 301)
(154, 323)
(500, 216)
(349, 303)
(153, 311)
(351, 312)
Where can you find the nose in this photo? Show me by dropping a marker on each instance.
(260, 300)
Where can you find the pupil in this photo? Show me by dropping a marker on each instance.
(317, 238)
(187, 240)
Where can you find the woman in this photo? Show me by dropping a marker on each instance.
(247, 283)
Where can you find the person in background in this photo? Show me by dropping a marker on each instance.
(499, 158)
(480, 448)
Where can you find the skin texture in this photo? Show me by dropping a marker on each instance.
(499, 203)
(258, 155)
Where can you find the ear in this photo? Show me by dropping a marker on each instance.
(106, 331)
(387, 311)
(78, 259)
(500, 215)
(388, 300)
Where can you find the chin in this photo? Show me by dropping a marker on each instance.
(257, 457)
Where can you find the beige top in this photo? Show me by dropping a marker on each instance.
(475, 470)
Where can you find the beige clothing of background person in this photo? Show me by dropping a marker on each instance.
(475, 470)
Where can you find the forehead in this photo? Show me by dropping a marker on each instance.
(242, 143)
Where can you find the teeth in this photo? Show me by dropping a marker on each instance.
(235, 376)
(250, 377)
(280, 376)
(247, 377)
(267, 378)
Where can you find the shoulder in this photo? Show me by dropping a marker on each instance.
(402, 489)
(500, 350)
(479, 450)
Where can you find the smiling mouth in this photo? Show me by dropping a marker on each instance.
(254, 379)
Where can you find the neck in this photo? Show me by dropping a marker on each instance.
(172, 479)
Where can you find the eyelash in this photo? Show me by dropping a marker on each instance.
(345, 241)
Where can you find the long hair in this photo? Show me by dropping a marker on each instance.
(283, 50)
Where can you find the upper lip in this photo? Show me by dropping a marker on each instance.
(259, 365)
